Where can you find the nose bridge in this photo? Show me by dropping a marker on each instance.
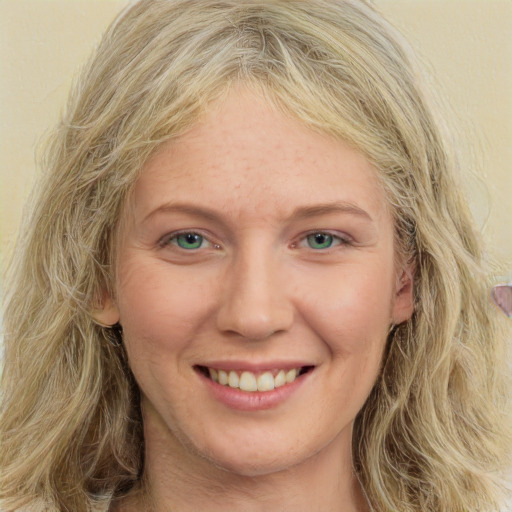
(254, 301)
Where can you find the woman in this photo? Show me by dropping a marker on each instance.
(250, 282)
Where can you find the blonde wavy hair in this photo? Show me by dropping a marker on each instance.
(435, 433)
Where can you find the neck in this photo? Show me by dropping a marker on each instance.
(178, 481)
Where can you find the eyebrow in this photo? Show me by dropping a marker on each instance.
(301, 212)
(330, 208)
(198, 211)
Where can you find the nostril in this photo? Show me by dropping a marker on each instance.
(254, 308)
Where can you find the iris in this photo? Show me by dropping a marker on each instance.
(320, 240)
(189, 240)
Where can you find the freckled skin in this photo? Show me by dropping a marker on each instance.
(256, 291)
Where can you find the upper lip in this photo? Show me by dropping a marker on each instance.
(254, 367)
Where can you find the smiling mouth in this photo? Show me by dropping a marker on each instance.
(254, 382)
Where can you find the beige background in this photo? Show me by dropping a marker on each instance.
(466, 43)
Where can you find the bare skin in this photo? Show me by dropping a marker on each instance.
(251, 244)
(330, 488)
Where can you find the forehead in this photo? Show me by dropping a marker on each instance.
(247, 156)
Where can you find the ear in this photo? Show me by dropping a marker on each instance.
(403, 307)
(106, 312)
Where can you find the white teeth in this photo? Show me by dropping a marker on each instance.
(248, 381)
(291, 375)
(233, 379)
(266, 382)
(223, 377)
(280, 379)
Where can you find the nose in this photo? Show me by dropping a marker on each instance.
(254, 302)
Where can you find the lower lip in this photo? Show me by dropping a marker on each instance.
(235, 398)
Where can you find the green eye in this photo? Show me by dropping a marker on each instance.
(189, 240)
(320, 240)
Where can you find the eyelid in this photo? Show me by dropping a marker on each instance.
(342, 238)
(165, 241)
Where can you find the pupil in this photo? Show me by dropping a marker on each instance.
(320, 240)
(189, 240)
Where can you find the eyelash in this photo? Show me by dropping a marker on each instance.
(336, 240)
(169, 240)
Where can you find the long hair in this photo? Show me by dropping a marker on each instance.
(435, 433)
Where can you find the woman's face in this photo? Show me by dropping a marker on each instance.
(258, 251)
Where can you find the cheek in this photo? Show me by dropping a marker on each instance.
(352, 311)
(161, 309)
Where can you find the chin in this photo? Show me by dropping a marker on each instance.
(253, 467)
(262, 455)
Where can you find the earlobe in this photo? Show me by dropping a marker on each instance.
(106, 313)
(403, 307)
